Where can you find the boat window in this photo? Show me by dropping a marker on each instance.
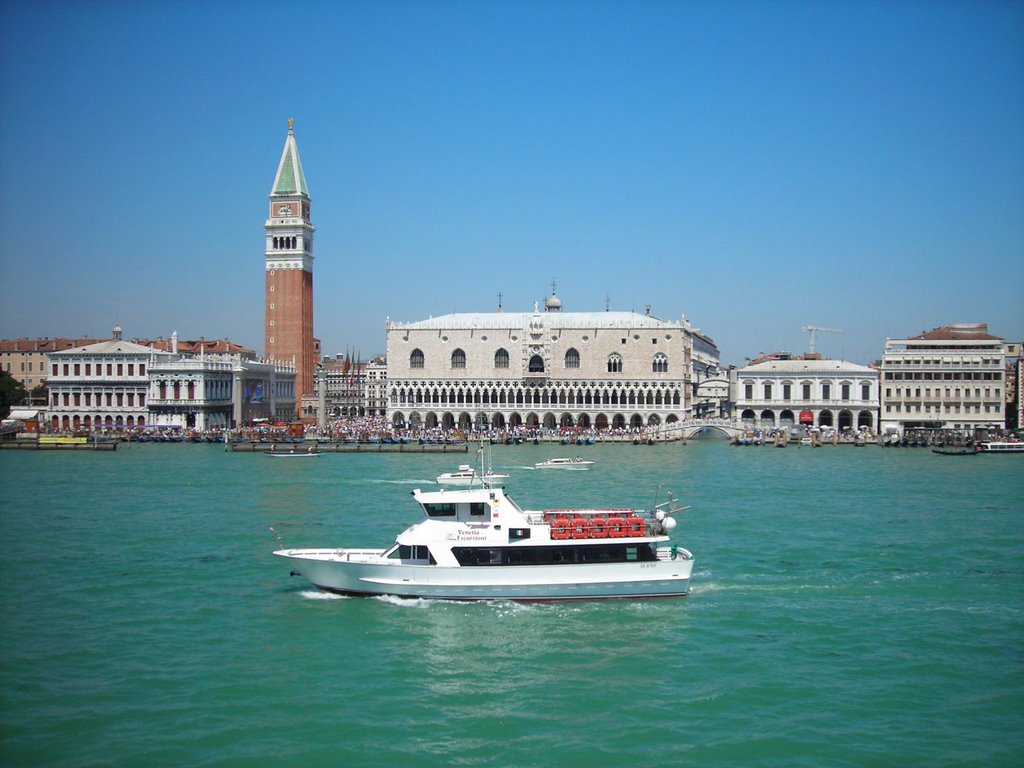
(478, 508)
(446, 509)
(546, 555)
(411, 552)
(401, 552)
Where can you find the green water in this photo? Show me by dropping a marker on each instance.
(849, 607)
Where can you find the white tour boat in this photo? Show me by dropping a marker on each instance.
(1001, 447)
(466, 475)
(478, 544)
(574, 463)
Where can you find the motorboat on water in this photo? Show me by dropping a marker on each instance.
(478, 544)
(576, 462)
(466, 475)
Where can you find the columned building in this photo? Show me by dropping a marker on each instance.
(288, 329)
(946, 378)
(782, 391)
(550, 369)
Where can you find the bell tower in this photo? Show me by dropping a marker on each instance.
(288, 318)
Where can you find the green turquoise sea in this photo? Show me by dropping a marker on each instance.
(849, 607)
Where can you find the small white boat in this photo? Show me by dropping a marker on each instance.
(465, 475)
(478, 544)
(573, 463)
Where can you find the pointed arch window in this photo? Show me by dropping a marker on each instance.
(660, 364)
(458, 359)
(416, 359)
(536, 364)
(501, 358)
(614, 363)
(572, 358)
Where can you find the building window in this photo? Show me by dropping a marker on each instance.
(845, 391)
(826, 391)
(767, 391)
(572, 358)
(748, 391)
(416, 359)
(787, 392)
(501, 358)
(865, 392)
(536, 364)
(458, 359)
(615, 362)
(660, 364)
(807, 392)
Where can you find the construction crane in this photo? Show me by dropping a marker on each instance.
(813, 329)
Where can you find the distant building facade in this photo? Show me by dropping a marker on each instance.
(288, 306)
(789, 391)
(550, 369)
(27, 360)
(951, 377)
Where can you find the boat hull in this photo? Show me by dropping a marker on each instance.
(359, 572)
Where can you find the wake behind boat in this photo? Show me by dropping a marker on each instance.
(574, 463)
(478, 544)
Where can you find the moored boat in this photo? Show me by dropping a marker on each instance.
(478, 544)
(573, 463)
(291, 453)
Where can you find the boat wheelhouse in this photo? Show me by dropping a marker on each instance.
(478, 544)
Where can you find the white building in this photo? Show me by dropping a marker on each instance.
(377, 386)
(105, 384)
(551, 369)
(786, 391)
(219, 391)
(946, 378)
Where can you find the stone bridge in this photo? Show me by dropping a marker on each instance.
(685, 430)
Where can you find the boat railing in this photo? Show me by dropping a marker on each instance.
(674, 552)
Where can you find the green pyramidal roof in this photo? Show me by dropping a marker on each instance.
(290, 179)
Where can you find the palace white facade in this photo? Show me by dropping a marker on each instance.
(783, 391)
(550, 369)
(948, 378)
(105, 384)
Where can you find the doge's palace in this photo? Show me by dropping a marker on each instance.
(551, 369)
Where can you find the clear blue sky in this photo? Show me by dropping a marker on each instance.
(754, 166)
